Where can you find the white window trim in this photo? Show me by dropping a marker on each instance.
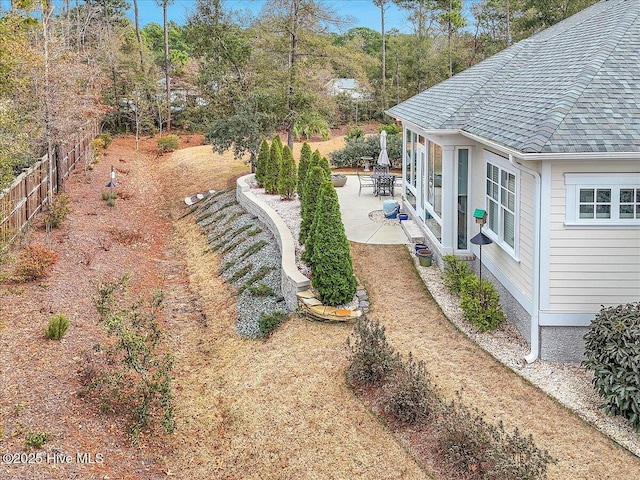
(614, 181)
(428, 206)
(503, 164)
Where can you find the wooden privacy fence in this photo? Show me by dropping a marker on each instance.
(28, 193)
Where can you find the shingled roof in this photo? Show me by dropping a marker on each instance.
(574, 87)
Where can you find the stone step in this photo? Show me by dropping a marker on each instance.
(412, 231)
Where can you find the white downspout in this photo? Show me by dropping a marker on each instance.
(535, 314)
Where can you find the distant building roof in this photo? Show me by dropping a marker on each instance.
(348, 86)
(574, 87)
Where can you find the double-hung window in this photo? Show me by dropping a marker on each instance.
(603, 199)
(502, 204)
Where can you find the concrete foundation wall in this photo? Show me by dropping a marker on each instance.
(292, 280)
(562, 344)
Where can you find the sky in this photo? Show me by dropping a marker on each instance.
(364, 12)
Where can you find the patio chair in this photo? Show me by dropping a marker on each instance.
(365, 182)
(385, 186)
(384, 170)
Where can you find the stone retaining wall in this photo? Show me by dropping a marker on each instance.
(292, 280)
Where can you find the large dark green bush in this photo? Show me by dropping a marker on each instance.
(369, 146)
(262, 162)
(480, 303)
(287, 178)
(613, 355)
(303, 167)
(316, 176)
(333, 276)
(371, 358)
(272, 168)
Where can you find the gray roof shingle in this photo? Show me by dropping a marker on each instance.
(575, 87)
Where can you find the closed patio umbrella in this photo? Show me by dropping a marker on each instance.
(383, 158)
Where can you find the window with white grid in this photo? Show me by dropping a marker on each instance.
(603, 199)
(501, 203)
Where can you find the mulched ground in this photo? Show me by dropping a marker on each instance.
(40, 378)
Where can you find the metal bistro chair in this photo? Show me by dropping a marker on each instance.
(385, 186)
(381, 169)
(365, 182)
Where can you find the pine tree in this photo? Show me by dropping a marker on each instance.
(272, 169)
(287, 178)
(316, 176)
(261, 164)
(303, 168)
(333, 276)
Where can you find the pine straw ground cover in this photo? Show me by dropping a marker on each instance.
(273, 409)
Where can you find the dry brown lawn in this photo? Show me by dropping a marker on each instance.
(274, 409)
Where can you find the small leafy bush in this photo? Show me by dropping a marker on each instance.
(168, 143)
(613, 355)
(35, 439)
(409, 396)
(455, 270)
(34, 262)
(355, 132)
(106, 138)
(58, 211)
(109, 196)
(270, 321)
(391, 129)
(58, 325)
(480, 303)
(478, 449)
(371, 358)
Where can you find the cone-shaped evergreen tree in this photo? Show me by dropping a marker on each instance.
(333, 276)
(303, 167)
(316, 176)
(272, 170)
(287, 178)
(261, 163)
(324, 163)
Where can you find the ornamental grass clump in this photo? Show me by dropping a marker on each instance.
(58, 326)
(613, 355)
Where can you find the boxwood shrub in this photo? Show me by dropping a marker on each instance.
(613, 355)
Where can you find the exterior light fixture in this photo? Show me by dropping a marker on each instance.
(112, 183)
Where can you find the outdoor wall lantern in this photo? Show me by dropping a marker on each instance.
(480, 239)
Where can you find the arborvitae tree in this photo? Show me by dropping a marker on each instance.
(287, 178)
(315, 160)
(316, 176)
(333, 276)
(303, 168)
(261, 163)
(324, 164)
(272, 169)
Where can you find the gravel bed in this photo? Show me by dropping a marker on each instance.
(234, 233)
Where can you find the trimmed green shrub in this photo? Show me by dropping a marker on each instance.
(270, 321)
(168, 143)
(316, 176)
(333, 276)
(480, 303)
(262, 162)
(303, 167)
(613, 355)
(371, 358)
(106, 139)
(272, 167)
(58, 211)
(287, 178)
(58, 325)
(391, 129)
(324, 164)
(455, 270)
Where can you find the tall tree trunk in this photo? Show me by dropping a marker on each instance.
(47, 14)
(450, 35)
(137, 22)
(384, 57)
(165, 4)
(293, 53)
